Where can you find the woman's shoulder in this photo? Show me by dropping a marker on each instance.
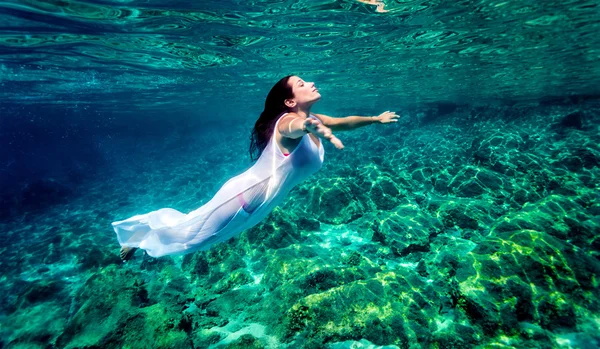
(286, 116)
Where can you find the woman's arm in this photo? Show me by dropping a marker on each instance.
(353, 122)
(291, 126)
(347, 123)
(295, 127)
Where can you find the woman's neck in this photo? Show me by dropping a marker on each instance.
(304, 113)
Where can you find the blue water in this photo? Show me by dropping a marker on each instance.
(471, 223)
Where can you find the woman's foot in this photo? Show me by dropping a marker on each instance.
(127, 253)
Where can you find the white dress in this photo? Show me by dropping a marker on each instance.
(263, 186)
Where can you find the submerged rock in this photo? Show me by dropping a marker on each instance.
(526, 275)
(573, 120)
(116, 308)
(41, 291)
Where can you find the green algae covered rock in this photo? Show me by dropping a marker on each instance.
(454, 214)
(40, 291)
(337, 201)
(526, 277)
(115, 310)
(152, 326)
(289, 278)
(246, 341)
(277, 232)
(475, 181)
(385, 194)
(234, 279)
(405, 231)
(387, 309)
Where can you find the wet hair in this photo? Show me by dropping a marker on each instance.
(274, 107)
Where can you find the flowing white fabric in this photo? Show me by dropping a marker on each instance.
(263, 186)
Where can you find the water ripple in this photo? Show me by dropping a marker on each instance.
(465, 49)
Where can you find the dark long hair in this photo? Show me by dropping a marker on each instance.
(274, 107)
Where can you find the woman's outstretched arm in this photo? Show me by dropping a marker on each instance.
(353, 122)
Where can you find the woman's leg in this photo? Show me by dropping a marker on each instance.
(203, 226)
(254, 196)
(213, 222)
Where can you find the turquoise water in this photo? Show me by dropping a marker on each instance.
(473, 222)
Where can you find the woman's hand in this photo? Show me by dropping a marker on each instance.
(322, 131)
(388, 117)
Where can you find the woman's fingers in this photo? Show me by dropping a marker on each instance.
(336, 142)
(325, 132)
(387, 117)
(322, 131)
(310, 123)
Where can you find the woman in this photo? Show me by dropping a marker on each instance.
(286, 137)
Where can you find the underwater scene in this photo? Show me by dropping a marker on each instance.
(471, 221)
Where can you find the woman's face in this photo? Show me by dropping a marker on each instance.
(305, 93)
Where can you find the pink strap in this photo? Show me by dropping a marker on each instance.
(242, 201)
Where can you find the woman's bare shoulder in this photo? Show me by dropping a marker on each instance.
(284, 123)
